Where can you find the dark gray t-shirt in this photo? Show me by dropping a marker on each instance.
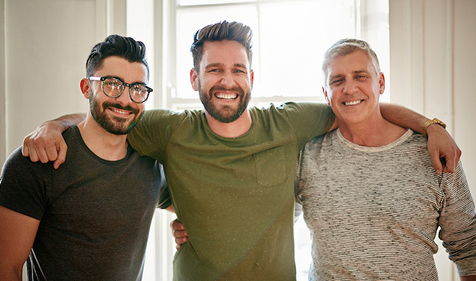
(95, 214)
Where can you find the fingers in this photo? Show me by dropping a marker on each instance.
(176, 225)
(179, 233)
(45, 149)
(436, 160)
(25, 149)
(444, 151)
(451, 162)
(45, 145)
(180, 237)
(62, 148)
(35, 149)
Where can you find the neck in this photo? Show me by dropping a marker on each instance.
(374, 133)
(102, 143)
(233, 129)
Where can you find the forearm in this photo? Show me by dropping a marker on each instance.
(403, 116)
(8, 273)
(17, 235)
(64, 122)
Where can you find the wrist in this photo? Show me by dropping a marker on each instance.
(54, 125)
(427, 126)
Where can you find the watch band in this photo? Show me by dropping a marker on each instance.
(433, 121)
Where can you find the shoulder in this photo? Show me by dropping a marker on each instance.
(304, 107)
(165, 114)
(17, 165)
(293, 111)
(327, 141)
(14, 159)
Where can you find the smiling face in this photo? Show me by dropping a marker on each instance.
(224, 80)
(353, 87)
(116, 115)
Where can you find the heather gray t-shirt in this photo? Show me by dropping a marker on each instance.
(374, 212)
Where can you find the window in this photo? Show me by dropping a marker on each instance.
(290, 38)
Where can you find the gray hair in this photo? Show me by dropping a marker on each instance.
(345, 47)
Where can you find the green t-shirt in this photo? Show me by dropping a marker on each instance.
(235, 196)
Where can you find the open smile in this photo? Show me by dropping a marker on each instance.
(349, 103)
(228, 96)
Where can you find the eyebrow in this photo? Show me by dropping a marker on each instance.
(120, 78)
(217, 64)
(335, 76)
(342, 75)
(360, 71)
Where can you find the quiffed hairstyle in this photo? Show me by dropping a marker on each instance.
(233, 31)
(345, 47)
(116, 45)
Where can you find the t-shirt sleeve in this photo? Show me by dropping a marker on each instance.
(309, 119)
(458, 222)
(152, 133)
(23, 185)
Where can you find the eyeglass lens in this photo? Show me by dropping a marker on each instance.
(113, 88)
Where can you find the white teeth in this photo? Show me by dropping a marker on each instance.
(352, 102)
(226, 96)
(119, 111)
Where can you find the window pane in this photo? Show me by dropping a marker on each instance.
(189, 21)
(289, 40)
(294, 37)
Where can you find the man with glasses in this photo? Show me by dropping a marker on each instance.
(89, 219)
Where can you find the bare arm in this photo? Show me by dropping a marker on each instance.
(46, 143)
(468, 278)
(16, 239)
(444, 152)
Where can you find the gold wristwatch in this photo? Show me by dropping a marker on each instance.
(434, 121)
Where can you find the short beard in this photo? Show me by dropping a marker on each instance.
(206, 99)
(114, 126)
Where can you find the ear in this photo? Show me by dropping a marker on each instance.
(194, 79)
(325, 95)
(85, 86)
(381, 83)
(252, 78)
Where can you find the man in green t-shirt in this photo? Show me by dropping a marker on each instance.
(230, 169)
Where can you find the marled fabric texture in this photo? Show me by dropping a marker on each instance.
(374, 212)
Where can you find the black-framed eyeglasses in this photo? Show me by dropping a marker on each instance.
(114, 86)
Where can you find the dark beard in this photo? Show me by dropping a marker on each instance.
(206, 99)
(114, 126)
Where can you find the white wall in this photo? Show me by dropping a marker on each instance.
(433, 66)
(46, 44)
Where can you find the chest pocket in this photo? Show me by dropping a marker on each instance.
(270, 166)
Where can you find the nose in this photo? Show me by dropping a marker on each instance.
(227, 79)
(349, 87)
(124, 98)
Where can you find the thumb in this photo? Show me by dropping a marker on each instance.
(62, 148)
